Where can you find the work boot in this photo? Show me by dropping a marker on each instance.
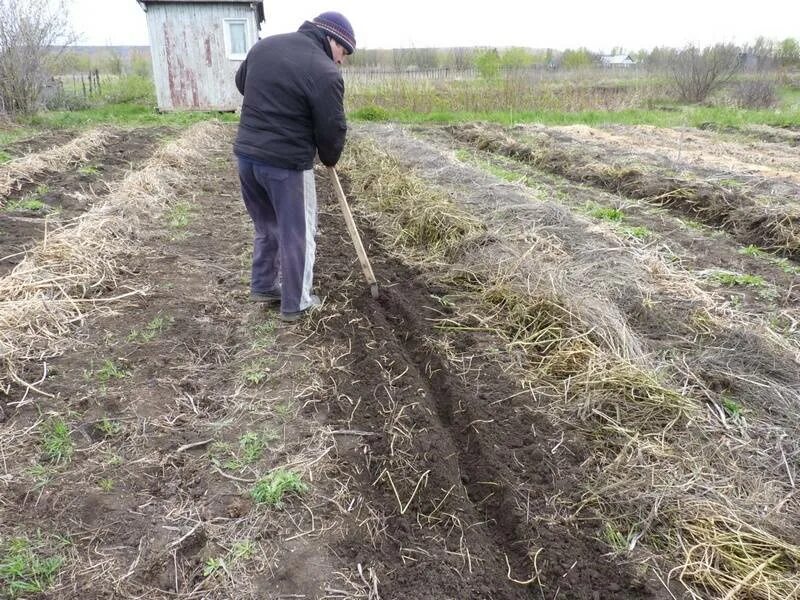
(291, 317)
(268, 298)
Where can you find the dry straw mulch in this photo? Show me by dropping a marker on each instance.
(74, 270)
(23, 170)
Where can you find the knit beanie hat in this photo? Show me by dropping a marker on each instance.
(338, 27)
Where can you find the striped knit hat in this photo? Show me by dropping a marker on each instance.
(338, 27)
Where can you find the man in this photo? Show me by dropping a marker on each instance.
(293, 108)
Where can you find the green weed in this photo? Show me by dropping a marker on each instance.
(252, 446)
(4, 157)
(110, 370)
(640, 233)
(25, 569)
(179, 215)
(41, 474)
(57, 444)
(250, 449)
(89, 170)
(271, 489)
(264, 334)
(150, 331)
(257, 370)
(752, 250)
(212, 565)
(733, 408)
(108, 427)
(738, 279)
(31, 204)
(605, 213)
(106, 484)
(243, 549)
(780, 262)
(614, 538)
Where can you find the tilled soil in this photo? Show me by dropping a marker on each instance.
(493, 473)
(432, 474)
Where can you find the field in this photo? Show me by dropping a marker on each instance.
(581, 378)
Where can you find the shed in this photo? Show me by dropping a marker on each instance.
(196, 47)
(617, 60)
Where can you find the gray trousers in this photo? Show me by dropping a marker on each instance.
(282, 204)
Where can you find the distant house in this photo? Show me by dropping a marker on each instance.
(617, 60)
(196, 47)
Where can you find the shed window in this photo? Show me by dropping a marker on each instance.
(236, 38)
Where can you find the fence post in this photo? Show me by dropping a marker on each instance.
(83, 84)
(97, 79)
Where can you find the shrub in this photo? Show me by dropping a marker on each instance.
(755, 93)
(697, 73)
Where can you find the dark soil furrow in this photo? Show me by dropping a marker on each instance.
(476, 438)
(770, 227)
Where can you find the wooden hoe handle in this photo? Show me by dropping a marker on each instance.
(351, 227)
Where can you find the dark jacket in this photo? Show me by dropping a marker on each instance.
(293, 101)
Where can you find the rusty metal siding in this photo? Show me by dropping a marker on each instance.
(191, 68)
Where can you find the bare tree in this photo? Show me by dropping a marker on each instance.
(32, 34)
(696, 73)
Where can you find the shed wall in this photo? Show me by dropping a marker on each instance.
(191, 69)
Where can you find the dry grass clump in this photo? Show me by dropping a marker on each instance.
(565, 357)
(775, 228)
(74, 268)
(733, 559)
(23, 169)
(421, 218)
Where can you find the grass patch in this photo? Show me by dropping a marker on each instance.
(675, 116)
(272, 489)
(4, 157)
(123, 114)
(25, 569)
(57, 444)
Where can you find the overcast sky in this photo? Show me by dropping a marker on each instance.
(597, 25)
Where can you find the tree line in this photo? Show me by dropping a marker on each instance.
(36, 42)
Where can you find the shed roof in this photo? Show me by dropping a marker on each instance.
(200, 1)
(257, 4)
